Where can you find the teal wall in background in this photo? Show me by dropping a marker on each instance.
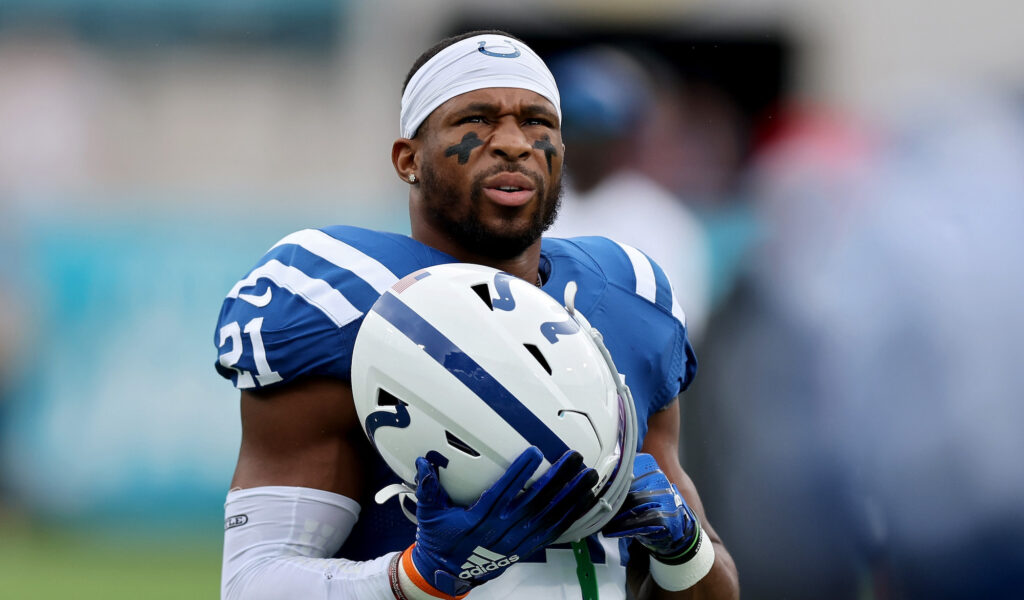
(114, 411)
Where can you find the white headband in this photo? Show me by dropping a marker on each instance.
(483, 61)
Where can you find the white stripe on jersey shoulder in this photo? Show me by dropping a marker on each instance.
(341, 254)
(315, 291)
(677, 311)
(646, 286)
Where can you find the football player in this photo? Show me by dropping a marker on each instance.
(481, 150)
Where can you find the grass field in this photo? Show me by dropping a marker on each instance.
(53, 565)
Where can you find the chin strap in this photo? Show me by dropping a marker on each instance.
(403, 491)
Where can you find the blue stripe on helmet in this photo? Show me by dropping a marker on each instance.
(471, 374)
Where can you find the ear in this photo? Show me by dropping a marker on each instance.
(403, 157)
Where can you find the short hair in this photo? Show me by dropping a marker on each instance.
(433, 50)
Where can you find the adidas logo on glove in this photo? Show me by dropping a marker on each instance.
(483, 560)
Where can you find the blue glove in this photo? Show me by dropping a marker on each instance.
(656, 515)
(458, 548)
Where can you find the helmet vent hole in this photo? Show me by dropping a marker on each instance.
(460, 445)
(484, 292)
(386, 398)
(535, 351)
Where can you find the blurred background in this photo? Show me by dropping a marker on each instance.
(836, 189)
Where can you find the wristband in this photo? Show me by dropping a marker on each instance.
(413, 584)
(393, 577)
(675, 576)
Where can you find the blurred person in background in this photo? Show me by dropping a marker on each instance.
(694, 144)
(921, 313)
(481, 149)
(762, 402)
(862, 383)
(610, 100)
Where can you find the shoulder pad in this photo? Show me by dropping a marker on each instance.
(636, 311)
(298, 310)
(628, 268)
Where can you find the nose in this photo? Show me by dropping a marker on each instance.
(508, 140)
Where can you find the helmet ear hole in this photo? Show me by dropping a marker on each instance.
(386, 398)
(484, 292)
(535, 351)
(460, 445)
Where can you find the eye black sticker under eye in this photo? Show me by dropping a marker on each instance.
(463, 148)
(549, 149)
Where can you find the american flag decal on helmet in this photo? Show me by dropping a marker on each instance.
(404, 283)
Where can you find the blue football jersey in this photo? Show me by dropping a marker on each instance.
(298, 310)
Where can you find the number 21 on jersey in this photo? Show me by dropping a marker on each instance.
(233, 332)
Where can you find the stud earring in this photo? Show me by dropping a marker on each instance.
(412, 178)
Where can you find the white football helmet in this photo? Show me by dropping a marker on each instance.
(469, 366)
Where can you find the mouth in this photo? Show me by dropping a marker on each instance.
(509, 189)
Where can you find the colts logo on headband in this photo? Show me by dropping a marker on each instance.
(515, 51)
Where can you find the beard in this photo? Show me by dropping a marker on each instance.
(458, 216)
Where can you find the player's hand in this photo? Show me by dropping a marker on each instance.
(458, 548)
(655, 514)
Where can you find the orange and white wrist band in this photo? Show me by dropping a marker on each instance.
(408, 584)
